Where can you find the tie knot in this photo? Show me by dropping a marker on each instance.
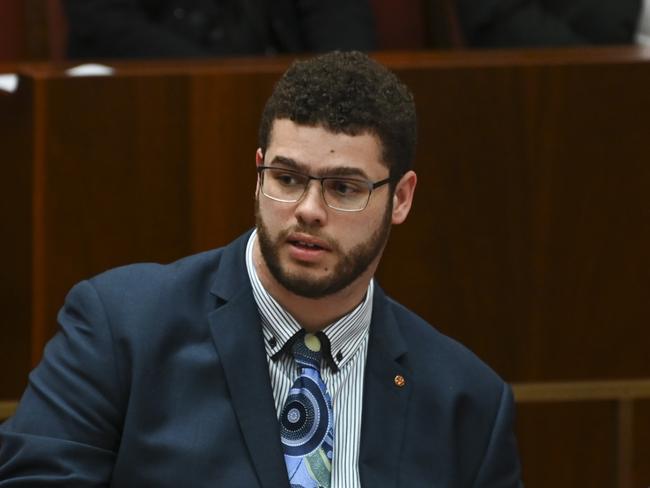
(306, 351)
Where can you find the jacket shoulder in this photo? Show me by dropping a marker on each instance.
(138, 276)
(433, 354)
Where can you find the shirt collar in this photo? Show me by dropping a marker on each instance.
(345, 335)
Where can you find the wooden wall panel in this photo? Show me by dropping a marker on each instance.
(531, 229)
(530, 221)
(586, 422)
(115, 178)
(641, 444)
(528, 240)
(16, 123)
(568, 444)
(225, 114)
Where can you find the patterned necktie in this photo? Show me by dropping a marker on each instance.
(307, 421)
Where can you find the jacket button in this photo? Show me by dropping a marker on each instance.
(399, 381)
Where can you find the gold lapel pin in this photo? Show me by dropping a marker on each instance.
(399, 381)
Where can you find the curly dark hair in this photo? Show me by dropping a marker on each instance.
(347, 92)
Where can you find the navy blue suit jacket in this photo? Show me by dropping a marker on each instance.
(158, 377)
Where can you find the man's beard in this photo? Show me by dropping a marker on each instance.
(351, 265)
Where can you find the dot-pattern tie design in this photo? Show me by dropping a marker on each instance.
(307, 421)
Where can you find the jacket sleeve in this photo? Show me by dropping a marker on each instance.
(67, 427)
(121, 29)
(500, 467)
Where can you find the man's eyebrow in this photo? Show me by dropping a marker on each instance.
(342, 171)
(346, 171)
(288, 162)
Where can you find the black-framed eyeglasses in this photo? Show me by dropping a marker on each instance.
(339, 193)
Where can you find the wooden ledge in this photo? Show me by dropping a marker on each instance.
(7, 409)
(581, 391)
(530, 392)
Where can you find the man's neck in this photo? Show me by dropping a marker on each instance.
(313, 314)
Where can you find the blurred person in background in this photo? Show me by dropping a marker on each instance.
(205, 28)
(531, 23)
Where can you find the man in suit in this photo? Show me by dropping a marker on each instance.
(277, 357)
(202, 28)
(512, 23)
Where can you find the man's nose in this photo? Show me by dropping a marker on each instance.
(311, 208)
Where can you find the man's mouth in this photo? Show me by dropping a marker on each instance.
(307, 242)
(306, 245)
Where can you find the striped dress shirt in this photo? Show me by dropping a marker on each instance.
(343, 374)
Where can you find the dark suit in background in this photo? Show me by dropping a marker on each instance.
(159, 378)
(511, 23)
(202, 28)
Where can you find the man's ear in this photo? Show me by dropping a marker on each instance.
(259, 161)
(403, 196)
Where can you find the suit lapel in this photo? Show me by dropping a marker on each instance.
(236, 332)
(237, 335)
(385, 402)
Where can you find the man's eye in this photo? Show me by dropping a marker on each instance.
(287, 179)
(345, 188)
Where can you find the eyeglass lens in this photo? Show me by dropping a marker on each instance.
(338, 193)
